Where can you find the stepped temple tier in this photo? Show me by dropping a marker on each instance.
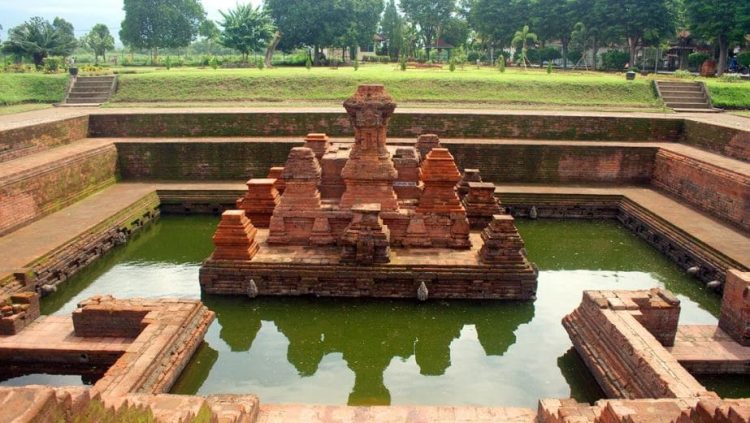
(368, 219)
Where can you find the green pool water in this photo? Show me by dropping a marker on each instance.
(393, 352)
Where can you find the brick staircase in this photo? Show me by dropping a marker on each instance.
(91, 90)
(685, 96)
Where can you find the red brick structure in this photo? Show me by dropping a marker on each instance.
(469, 175)
(235, 237)
(366, 241)
(18, 311)
(277, 173)
(502, 242)
(259, 201)
(367, 198)
(735, 307)
(318, 143)
(480, 204)
(369, 173)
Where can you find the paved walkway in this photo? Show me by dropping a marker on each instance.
(55, 336)
(721, 237)
(708, 348)
(292, 413)
(27, 244)
(57, 113)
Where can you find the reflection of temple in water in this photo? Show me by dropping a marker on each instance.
(370, 334)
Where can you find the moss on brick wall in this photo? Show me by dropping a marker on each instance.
(402, 125)
(41, 191)
(19, 142)
(730, 142)
(200, 160)
(556, 163)
(498, 162)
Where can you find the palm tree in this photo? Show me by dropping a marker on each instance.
(523, 37)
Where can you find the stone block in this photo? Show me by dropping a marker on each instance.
(235, 237)
(735, 306)
(259, 201)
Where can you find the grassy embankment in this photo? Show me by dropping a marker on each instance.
(471, 87)
(21, 88)
(464, 88)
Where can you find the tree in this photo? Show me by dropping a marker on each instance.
(523, 37)
(154, 24)
(720, 21)
(246, 29)
(429, 16)
(209, 31)
(100, 40)
(497, 20)
(643, 21)
(392, 26)
(37, 38)
(66, 33)
(556, 19)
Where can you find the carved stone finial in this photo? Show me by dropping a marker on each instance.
(422, 292)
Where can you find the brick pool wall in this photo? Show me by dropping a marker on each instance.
(29, 195)
(19, 142)
(498, 162)
(448, 125)
(730, 142)
(720, 192)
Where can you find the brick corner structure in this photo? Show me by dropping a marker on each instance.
(17, 311)
(235, 237)
(735, 307)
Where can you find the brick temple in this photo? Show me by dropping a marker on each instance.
(369, 219)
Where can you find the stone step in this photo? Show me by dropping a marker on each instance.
(88, 94)
(711, 110)
(95, 79)
(87, 100)
(694, 96)
(93, 85)
(688, 105)
(665, 91)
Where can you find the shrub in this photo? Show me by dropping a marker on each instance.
(260, 64)
(574, 57)
(308, 63)
(615, 60)
(356, 65)
(54, 64)
(683, 74)
(402, 63)
(730, 77)
(744, 58)
(213, 62)
(168, 62)
(548, 54)
(501, 63)
(549, 67)
(695, 60)
(452, 65)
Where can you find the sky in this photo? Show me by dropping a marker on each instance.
(83, 14)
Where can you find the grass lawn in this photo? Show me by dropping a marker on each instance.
(471, 86)
(17, 88)
(730, 95)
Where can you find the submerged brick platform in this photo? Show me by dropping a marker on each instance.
(297, 270)
(141, 345)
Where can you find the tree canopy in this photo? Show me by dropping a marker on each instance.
(429, 17)
(99, 40)
(37, 38)
(719, 21)
(246, 29)
(154, 24)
